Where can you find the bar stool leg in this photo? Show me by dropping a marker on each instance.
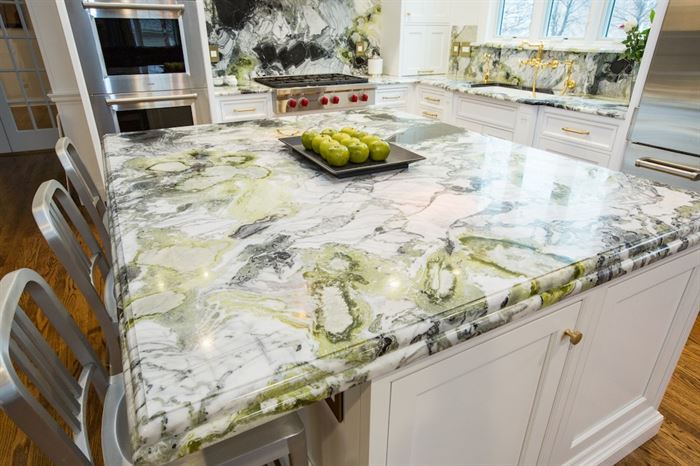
(297, 450)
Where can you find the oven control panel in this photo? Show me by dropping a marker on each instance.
(318, 99)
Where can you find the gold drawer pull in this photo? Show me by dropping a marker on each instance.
(430, 114)
(391, 97)
(575, 336)
(664, 166)
(432, 99)
(426, 71)
(243, 110)
(576, 131)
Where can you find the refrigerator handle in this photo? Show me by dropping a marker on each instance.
(664, 166)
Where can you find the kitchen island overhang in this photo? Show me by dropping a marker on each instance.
(252, 285)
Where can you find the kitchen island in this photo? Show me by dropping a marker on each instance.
(253, 285)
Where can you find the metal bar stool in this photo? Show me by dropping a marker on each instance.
(87, 191)
(50, 203)
(23, 346)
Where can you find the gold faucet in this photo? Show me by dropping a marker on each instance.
(536, 63)
(488, 64)
(569, 84)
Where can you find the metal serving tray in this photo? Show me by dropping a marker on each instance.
(398, 158)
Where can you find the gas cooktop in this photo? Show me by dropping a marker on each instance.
(306, 80)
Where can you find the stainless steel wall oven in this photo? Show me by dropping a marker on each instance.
(143, 62)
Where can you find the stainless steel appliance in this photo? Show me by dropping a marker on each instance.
(664, 140)
(143, 62)
(318, 92)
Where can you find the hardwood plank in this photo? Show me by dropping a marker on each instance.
(21, 245)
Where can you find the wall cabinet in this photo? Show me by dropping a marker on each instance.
(415, 37)
(525, 393)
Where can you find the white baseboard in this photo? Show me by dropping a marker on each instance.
(622, 441)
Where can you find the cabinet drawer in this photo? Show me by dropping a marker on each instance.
(579, 130)
(431, 112)
(395, 96)
(243, 108)
(573, 150)
(488, 130)
(486, 111)
(432, 97)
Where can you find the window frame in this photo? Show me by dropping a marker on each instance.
(597, 24)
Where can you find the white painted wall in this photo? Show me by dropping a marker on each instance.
(472, 12)
(69, 91)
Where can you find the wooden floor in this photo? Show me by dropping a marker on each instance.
(21, 245)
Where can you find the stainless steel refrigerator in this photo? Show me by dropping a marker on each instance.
(664, 140)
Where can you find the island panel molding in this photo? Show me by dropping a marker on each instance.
(253, 285)
(279, 37)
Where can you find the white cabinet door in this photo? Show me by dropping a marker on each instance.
(437, 46)
(644, 322)
(485, 405)
(413, 50)
(426, 11)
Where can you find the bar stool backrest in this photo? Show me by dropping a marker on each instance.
(82, 182)
(24, 347)
(50, 202)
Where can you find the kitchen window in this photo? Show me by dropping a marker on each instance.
(622, 10)
(582, 20)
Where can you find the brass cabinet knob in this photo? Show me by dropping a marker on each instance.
(575, 336)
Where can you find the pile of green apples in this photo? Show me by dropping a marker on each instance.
(338, 148)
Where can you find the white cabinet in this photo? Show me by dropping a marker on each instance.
(487, 405)
(627, 361)
(242, 107)
(523, 393)
(415, 37)
(505, 120)
(396, 96)
(433, 102)
(587, 137)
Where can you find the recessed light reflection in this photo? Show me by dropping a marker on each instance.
(206, 342)
(205, 274)
(456, 272)
(161, 285)
(394, 283)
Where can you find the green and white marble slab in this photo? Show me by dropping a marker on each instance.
(252, 284)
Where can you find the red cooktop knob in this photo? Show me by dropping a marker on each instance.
(364, 97)
(335, 99)
(324, 100)
(304, 102)
(354, 98)
(292, 103)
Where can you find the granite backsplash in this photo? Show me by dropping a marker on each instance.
(275, 37)
(596, 72)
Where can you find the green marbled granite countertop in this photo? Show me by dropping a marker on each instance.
(252, 284)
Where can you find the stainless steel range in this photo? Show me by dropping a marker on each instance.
(318, 92)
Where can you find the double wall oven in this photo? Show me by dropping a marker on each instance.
(143, 62)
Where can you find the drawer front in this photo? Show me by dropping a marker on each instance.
(573, 150)
(431, 112)
(432, 97)
(392, 96)
(579, 130)
(487, 111)
(240, 109)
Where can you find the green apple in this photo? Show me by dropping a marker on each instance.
(328, 132)
(369, 139)
(317, 140)
(340, 137)
(361, 134)
(359, 152)
(379, 150)
(349, 142)
(350, 130)
(338, 155)
(325, 146)
(307, 138)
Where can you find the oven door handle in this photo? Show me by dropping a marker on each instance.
(131, 6)
(154, 98)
